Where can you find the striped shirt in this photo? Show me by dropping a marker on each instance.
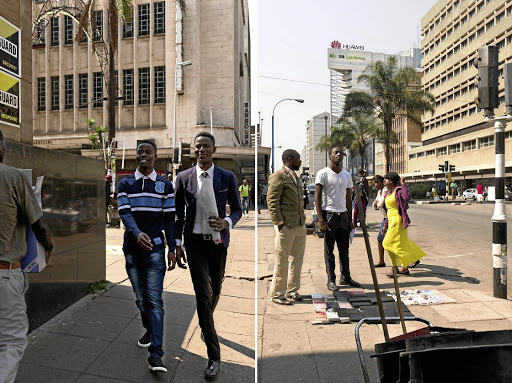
(146, 204)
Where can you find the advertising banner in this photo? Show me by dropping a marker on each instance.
(10, 44)
(9, 99)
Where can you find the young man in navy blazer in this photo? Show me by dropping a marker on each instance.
(206, 258)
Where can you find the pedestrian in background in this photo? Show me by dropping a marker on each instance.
(264, 192)
(287, 213)
(244, 190)
(378, 204)
(361, 182)
(146, 206)
(335, 184)
(19, 209)
(401, 250)
(480, 193)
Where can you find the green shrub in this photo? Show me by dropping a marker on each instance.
(95, 287)
(419, 191)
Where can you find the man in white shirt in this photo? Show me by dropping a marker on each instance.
(334, 219)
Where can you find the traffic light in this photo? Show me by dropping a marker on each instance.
(441, 167)
(184, 151)
(452, 168)
(487, 79)
(175, 155)
(507, 78)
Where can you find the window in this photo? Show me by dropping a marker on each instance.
(412, 156)
(431, 152)
(490, 24)
(68, 91)
(469, 145)
(480, 32)
(128, 28)
(54, 32)
(143, 19)
(421, 154)
(441, 151)
(97, 91)
(68, 30)
(41, 94)
(98, 25)
(500, 17)
(480, 6)
(159, 17)
(159, 84)
(128, 86)
(41, 33)
(143, 85)
(454, 148)
(55, 92)
(486, 141)
(82, 90)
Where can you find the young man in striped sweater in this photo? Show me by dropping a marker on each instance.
(146, 206)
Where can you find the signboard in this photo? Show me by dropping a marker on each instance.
(337, 45)
(9, 99)
(246, 135)
(10, 44)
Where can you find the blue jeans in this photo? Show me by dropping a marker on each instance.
(245, 205)
(146, 272)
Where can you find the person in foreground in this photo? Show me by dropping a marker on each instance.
(378, 204)
(206, 236)
(335, 220)
(19, 209)
(284, 199)
(146, 206)
(401, 250)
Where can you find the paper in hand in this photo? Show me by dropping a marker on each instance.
(351, 235)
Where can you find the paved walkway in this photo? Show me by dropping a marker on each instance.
(95, 341)
(291, 349)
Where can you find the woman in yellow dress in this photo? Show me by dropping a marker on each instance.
(401, 250)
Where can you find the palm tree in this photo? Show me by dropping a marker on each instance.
(354, 134)
(393, 92)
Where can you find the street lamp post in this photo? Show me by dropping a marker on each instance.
(326, 150)
(273, 110)
(181, 64)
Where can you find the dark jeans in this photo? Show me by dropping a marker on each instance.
(146, 271)
(339, 234)
(207, 262)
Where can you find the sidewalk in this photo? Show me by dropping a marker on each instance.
(95, 341)
(291, 349)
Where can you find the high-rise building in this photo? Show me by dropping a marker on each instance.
(316, 128)
(452, 32)
(68, 86)
(346, 63)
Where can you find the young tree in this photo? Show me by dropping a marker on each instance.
(393, 92)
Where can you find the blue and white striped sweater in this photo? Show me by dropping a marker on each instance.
(147, 206)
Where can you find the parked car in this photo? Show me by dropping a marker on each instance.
(472, 193)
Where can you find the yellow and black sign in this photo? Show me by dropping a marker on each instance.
(9, 99)
(10, 54)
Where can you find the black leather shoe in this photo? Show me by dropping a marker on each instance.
(212, 369)
(349, 282)
(332, 286)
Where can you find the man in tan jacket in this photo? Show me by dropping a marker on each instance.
(284, 199)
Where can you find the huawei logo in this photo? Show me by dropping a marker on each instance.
(336, 45)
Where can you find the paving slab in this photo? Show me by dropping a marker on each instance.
(27, 372)
(465, 312)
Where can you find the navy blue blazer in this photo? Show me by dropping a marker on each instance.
(226, 190)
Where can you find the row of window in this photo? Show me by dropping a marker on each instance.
(128, 79)
(143, 25)
(465, 146)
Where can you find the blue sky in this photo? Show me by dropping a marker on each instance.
(290, 39)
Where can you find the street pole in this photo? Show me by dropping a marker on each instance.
(111, 109)
(326, 150)
(273, 110)
(499, 218)
(211, 120)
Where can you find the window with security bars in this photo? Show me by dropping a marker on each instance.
(128, 28)
(128, 86)
(144, 86)
(82, 90)
(41, 94)
(143, 19)
(98, 25)
(68, 30)
(54, 32)
(97, 91)
(159, 17)
(68, 91)
(159, 84)
(55, 92)
(41, 32)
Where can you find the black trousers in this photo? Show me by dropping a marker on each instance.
(207, 263)
(339, 234)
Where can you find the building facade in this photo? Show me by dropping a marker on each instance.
(452, 32)
(68, 86)
(315, 130)
(345, 66)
